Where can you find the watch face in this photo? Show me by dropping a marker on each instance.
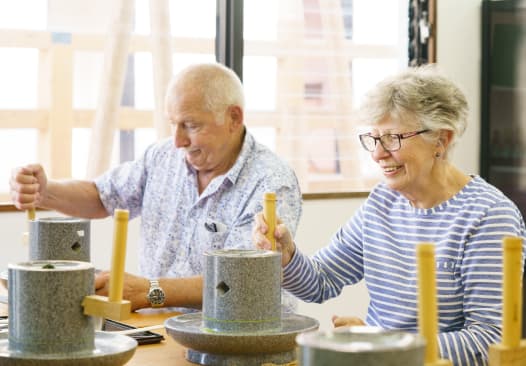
(156, 296)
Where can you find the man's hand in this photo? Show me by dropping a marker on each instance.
(28, 186)
(135, 288)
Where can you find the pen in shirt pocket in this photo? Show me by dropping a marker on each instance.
(215, 227)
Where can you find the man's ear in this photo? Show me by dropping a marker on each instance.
(235, 114)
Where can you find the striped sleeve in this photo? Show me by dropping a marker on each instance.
(323, 276)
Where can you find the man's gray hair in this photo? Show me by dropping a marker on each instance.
(219, 86)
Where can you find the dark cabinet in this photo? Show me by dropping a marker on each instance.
(503, 101)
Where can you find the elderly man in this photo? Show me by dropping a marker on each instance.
(194, 192)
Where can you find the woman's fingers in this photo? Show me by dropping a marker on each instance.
(346, 321)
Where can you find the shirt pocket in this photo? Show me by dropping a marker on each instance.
(212, 235)
(445, 271)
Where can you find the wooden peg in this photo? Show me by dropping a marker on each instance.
(511, 351)
(113, 306)
(119, 255)
(427, 304)
(269, 214)
(31, 215)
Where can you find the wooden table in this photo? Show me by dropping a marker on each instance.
(168, 352)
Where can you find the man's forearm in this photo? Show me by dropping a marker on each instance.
(74, 198)
(183, 292)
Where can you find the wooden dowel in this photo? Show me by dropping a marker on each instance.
(512, 292)
(269, 213)
(119, 255)
(427, 306)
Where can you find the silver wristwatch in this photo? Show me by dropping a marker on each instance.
(156, 294)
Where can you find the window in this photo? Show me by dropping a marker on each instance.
(306, 66)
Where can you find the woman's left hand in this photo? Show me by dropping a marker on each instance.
(346, 321)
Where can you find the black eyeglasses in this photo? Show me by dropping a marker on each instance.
(390, 141)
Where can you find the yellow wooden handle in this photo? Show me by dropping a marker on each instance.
(269, 213)
(512, 291)
(427, 305)
(31, 215)
(119, 255)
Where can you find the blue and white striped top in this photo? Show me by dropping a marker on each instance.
(378, 245)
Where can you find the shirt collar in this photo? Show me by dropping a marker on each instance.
(246, 151)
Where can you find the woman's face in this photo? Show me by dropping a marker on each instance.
(410, 168)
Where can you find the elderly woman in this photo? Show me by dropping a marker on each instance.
(416, 117)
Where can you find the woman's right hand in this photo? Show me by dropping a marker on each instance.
(284, 242)
(28, 185)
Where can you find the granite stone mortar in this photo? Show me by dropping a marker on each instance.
(364, 346)
(45, 311)
(242, 290)
(59, 238)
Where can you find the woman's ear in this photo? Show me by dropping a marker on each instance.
(444, 139)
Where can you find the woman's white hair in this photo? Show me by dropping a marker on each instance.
(420, 97)
(218, 85)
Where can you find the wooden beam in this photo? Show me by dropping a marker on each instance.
(128, 118)
(56, 92)
(115, 61)
(11, 118)
(161, 61)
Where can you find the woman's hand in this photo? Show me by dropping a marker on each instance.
(346, 321)
(282, 235)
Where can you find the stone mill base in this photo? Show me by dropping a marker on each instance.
(201, 358)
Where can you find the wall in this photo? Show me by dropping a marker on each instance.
(458, 53)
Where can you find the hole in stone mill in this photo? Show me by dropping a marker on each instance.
(76, 246)
(222, 288)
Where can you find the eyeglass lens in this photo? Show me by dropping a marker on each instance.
(389, 142)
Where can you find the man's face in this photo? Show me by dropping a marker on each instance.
(206, 142)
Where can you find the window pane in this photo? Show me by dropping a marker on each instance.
(81, 139)
(259, 82)
(88, 69)
(19, 78)
(305, 82)
(15, 14)
(143, 80)
(20, 145)
(194, 18)
(263, 20)
(144, 137)
(375, 21)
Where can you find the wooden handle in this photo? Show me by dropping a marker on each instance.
(512, 292)
(31, 215)
(427, 305)
(269, 213)
(119, 255)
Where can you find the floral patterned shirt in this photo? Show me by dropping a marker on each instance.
(177, 223)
